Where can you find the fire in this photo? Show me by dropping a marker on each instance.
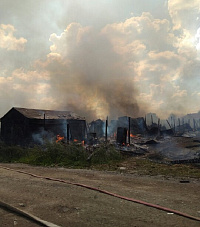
(83, 143)
(132, 136)
(59, 138)
(75, 140)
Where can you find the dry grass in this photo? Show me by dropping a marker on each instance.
(144, 166)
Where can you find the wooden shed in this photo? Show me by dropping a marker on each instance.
(24, 126)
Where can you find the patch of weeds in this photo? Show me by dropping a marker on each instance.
(10, 153)
(156, 156)
(147, 167)
(106, 154)
(58, 154)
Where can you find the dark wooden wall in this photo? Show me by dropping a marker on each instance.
(14, 128)
(17, 129)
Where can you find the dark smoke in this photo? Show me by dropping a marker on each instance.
(89, 77)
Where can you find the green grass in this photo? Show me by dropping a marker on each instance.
(11, 153)
(58, 154)
(105, 157)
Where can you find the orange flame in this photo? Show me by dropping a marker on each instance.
(83, 143)
(75, 140)
(59, 138)
(132, 136)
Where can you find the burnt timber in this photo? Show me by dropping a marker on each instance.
(24, 126)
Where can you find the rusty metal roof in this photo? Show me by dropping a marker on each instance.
(49, 114)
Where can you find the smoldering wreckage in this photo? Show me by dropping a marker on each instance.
(131, 136)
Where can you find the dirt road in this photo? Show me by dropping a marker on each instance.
(68, 205)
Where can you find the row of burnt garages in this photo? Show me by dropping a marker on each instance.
(32, 126)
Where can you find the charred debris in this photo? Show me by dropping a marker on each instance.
(134, 136)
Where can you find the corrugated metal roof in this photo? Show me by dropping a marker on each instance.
(49, 114)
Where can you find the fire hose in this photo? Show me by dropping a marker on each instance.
(108, 193)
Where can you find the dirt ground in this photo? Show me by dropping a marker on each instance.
(68, 205)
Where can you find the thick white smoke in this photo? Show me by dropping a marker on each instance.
(126, 64)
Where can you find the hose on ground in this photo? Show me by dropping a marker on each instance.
(108, 193)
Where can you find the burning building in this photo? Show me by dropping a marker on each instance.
(25, 126)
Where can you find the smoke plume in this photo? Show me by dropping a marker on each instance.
(88, 76)
(68, 55)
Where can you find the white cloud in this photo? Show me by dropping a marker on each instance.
(152, 33)
(139, 62)
(184, 13)
(128, 67)
(7, 39)
(30, 76)
(25, 88)
(180, 93)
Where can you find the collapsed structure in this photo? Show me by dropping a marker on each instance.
(97, 127)
(137, 125)
(118, 129)
(22, 126)
(25, 126)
